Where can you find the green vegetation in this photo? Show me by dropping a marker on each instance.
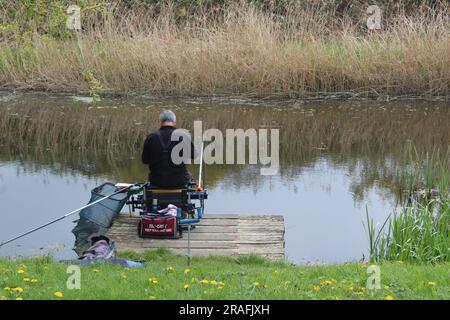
(420, 230)
(166, 276)
(253, 48)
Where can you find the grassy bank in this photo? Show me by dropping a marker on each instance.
(165, 276)
(239, 49)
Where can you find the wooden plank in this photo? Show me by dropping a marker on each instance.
(224, 234)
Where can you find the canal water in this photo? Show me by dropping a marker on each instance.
(338, 160)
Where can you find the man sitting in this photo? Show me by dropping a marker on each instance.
(157, 155)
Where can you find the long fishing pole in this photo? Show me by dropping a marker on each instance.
(200, 183)
(65, 216)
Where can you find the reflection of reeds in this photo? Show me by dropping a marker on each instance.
(242, 52)
(102, 139)
(114, 129)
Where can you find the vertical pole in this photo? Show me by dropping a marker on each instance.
(189, 245)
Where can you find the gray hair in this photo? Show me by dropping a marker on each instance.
(167, 116)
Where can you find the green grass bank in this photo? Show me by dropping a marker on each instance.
(166, 276)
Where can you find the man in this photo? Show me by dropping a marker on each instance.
(157, 155)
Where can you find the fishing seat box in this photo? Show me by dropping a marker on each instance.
(159, 226)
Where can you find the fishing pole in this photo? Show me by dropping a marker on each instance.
(65, 216)
(199, 184)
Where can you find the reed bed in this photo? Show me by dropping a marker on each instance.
(242, 50)
(419, 231)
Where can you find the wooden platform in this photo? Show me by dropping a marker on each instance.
(225, 235)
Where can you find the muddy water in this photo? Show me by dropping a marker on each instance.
(337, 160)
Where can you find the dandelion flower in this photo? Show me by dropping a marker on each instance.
(193, 279)
(34, 280)
(431, 283)
(187, 270)
(186, 286)
(204, 281)
(153, 280)
(19, 298)
(169, 269)
(95, 270)
(20, 271)
(386, 287)
(58, 294)
(26, 279)
(17, 289)
(220, 287)
(389, 298)
(221, 283)
(213, 282)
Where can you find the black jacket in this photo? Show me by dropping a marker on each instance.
(163, 174)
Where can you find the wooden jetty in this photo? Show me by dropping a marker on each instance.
(224, 235)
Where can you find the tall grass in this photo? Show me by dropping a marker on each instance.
(417, 233)
(240, 50)
(420, 230)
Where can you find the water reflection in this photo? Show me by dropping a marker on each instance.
(335, 159)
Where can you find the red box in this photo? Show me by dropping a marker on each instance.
(158, 227)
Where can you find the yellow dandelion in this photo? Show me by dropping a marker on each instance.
(169, 269)
(213, 282)
(19, 298)
(219, 287)
(431, 283)
(386, 287)
(34, 280)
(193, 279)
(20, 271)
(204, 281)
(221, 283)
(17, 289)
(58, 294)
(95, 270)
(389, 298)
(186, 286)
(187, 270)
(26, 279)
(327, 282)
(153, 280)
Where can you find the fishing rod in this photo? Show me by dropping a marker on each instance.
(65, 216)
(200, 182)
